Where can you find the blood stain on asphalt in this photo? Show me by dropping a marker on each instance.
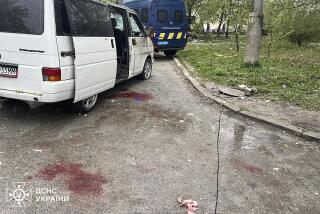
(254, 169)
(78, 182)
(133, 95)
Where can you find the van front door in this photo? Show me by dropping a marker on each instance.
(95, 53)
(139, 43)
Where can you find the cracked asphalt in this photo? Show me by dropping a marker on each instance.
(146, 143)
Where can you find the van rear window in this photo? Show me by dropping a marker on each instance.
(21, 16)
(162, 16)
(178, 16)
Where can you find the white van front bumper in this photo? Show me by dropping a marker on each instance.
(52, 92)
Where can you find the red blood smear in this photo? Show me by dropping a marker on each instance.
(133, 95)
(254, 169)
(79, 181)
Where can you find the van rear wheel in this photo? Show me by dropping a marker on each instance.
(147, 70)
(170, 53)
(87, 105)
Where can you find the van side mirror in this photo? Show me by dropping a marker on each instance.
(149, 31)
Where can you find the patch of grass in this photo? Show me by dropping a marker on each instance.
(290, 74)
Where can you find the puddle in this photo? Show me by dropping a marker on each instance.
(78, 181)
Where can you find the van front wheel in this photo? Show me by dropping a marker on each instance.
(147, 70)
(87, 105)
(170, 53)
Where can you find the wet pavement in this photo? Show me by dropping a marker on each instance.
(145, 144)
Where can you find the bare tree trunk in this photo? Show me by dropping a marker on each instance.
(237, 38)
(227, 29)
(189, 18)
(220, 22)
(254, 33)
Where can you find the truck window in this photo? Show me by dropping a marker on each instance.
(178, 16)
(162, 16)
(62, 21)
(21, 16)
(89, 19)
(144, 15)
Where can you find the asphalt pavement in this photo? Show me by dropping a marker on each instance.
(147, 143)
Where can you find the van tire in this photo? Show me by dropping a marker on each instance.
(86, 105)
(147, 70)
(170, 53)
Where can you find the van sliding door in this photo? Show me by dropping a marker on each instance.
(139, 43)
(95, 53)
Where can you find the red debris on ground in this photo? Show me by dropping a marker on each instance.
(189, 204)
(79, 181)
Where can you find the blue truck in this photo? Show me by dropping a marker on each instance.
(165, 20)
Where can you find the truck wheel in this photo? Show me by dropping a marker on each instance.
(170, 53)
(86, 105)
(147, 70)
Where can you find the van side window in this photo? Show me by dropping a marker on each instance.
(178, 16)
(136, 26)
(144, 15)
(118, 20)
(89, 19)
(22, 17)
(62, 22)
(162, 16)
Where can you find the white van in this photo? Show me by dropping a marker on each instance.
(55, 50)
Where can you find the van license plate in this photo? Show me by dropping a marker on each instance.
(9, 71)
(163, 42)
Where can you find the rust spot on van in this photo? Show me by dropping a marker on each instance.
(78, 181)
(133, 95)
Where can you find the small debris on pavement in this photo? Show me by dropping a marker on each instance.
(276, 169)
(132, 164)
(189, 204)
(316, 193)
(37, 150)
(190, 114)
(248, 91)
(231, 92)
(181, 121)
(0, 163)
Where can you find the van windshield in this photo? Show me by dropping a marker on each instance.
(21, 16)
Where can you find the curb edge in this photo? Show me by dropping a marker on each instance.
(283, 125)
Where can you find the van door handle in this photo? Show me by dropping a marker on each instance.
(112, 44)
(134, 42)
(67, 53)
